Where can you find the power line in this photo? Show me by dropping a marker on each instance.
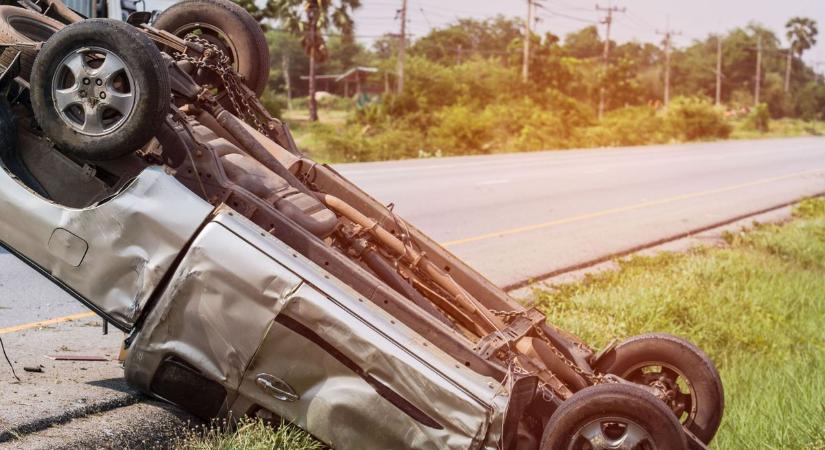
(566, 16)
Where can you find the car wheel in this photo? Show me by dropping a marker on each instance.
(613, 416)
(100, 89)
(693, 385)
(230, 28)
(18, 25)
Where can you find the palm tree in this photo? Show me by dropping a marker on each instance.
(311, 19)
(801, 34)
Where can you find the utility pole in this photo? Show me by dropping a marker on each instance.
(608, 21)
(758, 85)
(313, 56)
(718, 70)
(402, 49)
(788, 70)
(528, 33)
(668, 34)
(287, 81)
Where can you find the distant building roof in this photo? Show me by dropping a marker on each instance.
(343, 76)
(356, 70)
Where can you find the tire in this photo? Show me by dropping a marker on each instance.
(22, 25)
(128, 105)
(637, 359)
(230, 27)
(597, 407)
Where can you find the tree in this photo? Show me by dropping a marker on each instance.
(469, 38)
(585, 43)
(311, 19)
(801, 33)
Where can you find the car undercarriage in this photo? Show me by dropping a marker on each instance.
(150, 139)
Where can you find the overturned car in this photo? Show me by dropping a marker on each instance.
(143, 176)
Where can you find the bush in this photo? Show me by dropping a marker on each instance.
(353, 143)
(637, 125)
(695, 118)
(759, 118)
(460, 130)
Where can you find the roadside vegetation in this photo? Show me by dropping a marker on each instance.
(250, 434)
(756, 306)
(464, 93)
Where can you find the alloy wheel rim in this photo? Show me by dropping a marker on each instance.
(611, 433)
(94, 91)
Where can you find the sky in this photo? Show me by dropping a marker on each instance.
(695, 19)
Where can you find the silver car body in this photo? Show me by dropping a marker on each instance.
(277, 332)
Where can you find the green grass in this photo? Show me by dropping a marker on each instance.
(249, 435)
(757, 307)
(779, 128)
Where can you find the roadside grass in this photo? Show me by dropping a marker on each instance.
(250, 434)
(779, 128)
(757, 307)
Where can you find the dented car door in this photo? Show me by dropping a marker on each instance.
(250, 327)
(112, 255)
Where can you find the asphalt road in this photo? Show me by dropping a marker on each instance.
(519, 216)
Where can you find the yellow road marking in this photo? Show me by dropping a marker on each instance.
(44, 323)
(622, 209)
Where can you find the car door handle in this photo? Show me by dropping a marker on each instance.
(276, 387)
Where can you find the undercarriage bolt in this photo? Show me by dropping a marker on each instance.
(102, 95)
(99, 82)
(86, 81)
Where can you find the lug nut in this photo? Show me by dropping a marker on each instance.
(99, 82)
(86, 81)
(102, 95)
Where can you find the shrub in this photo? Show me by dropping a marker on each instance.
(637, 125)
(542, 130)
(461, 130)
(353, 143)
(695, 118)
(759, 118)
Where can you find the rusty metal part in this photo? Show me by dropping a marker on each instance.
(517, 329)
(442, 302)
(489, 321)
(167, 39)
(541, 351)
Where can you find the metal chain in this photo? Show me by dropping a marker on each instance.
(593, 378)
(218, 62)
